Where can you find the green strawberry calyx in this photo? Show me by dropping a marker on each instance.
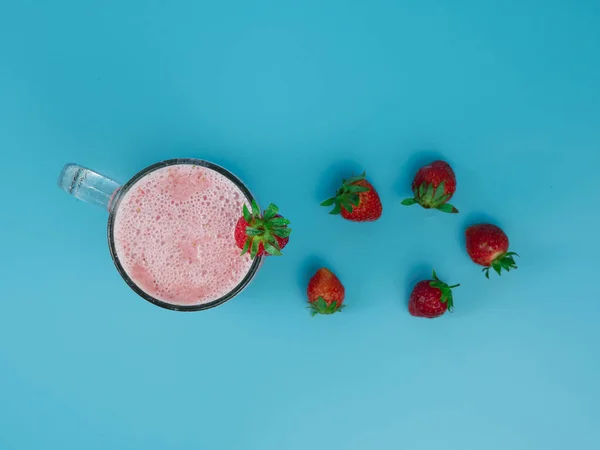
(429, 197)
(320, 306)
(263, 229)
(347, 196)
(504, 261)
(446, 296)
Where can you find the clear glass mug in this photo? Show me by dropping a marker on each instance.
(91, 187)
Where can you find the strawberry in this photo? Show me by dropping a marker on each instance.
(325, 293)
(433, 186)
(356, 200)
(431, 298)
(487, 245)
(262, 234)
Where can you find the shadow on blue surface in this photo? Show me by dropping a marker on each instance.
(331, 178)
(408, 170)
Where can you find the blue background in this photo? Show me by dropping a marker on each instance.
(292, 97)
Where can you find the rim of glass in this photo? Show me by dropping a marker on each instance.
(114, 206)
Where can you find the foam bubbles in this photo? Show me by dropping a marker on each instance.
(174, 234)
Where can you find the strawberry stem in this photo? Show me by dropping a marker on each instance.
(428, 197)
(347, 196)
(505, 261)
(446, 291)
(320, 306)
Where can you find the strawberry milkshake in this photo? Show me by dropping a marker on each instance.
(173, 231)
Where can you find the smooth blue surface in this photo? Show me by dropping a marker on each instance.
(291, 96)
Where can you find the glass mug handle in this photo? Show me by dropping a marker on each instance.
(87, 185)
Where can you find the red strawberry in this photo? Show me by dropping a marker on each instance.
(262, 234)
(487, 245)
(431, 298)
(433, 186)
(356, 200)
(325, 293)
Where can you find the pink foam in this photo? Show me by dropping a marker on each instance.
(174, 234)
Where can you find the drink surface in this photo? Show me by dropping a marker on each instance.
(173, 234)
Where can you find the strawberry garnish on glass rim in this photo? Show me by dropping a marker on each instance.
(262, 234)
(428, 197)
